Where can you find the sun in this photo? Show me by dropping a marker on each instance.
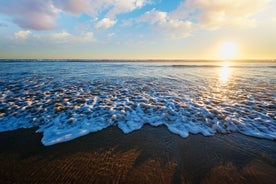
(228, 50)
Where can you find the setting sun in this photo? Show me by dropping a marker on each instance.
(228, 50)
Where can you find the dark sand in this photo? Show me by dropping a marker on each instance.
(149, 155)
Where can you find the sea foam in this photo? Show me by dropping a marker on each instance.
(80, 98)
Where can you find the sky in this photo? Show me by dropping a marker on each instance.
(137, 29)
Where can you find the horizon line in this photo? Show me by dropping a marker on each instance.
(125, 60)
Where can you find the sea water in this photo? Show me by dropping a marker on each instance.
(68, 99)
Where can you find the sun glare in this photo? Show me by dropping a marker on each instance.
(224, 74)
(228, 50)
(226, 64)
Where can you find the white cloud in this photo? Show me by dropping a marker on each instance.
(75, 7)
(124, 6)
(96, 7)
(192, 15)
(164, 23)
(213, 14)
(105, 23)
(22, 35)
(62, 37)
(41, 14)
(110, 8)
(65, 37)
(30, 14)
(154, 16)
(141, 3)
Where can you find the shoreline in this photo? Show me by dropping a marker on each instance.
(151, 154)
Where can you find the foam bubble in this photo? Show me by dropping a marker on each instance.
(66, 107)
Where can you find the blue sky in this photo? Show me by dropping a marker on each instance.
(136, 29)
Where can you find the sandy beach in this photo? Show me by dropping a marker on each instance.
(137, 91)
(150, 155)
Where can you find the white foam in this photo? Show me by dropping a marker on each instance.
(69, 107)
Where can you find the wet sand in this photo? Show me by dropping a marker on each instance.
(149, 155)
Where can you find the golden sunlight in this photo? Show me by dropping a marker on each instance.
(224, 74)
(228, 50)
(225, 64)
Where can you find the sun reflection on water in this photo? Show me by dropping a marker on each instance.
(225, 72)
(225, 64)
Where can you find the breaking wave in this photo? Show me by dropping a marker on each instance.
(68, 100)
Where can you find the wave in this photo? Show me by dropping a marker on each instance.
(64, 110)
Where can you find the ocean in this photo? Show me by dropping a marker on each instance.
(66, 99)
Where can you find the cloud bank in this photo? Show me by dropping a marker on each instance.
(42, 14)
(62, 37)
(162, 21)
(190, 15)
(30, 14)
(94, 8)
(219, 14)
(66, 37)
